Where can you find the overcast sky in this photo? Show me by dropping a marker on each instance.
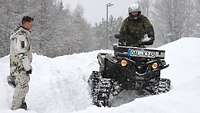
(95, 10)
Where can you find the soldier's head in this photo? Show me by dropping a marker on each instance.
(27, 22)
(134, 10)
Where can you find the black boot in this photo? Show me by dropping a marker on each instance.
(24, 105)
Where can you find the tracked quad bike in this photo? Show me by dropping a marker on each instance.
(130, 68)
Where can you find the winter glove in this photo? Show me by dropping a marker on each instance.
(122, 43)
(11, 81)
(122, 39)
(29, 72)
(147, 40)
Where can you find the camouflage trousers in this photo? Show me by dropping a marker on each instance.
(21, 89)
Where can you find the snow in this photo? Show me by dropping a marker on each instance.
(59, 85)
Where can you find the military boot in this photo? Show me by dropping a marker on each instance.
(24, 105)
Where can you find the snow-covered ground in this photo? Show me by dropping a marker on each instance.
(59, 85)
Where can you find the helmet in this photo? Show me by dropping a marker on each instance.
(134, 8)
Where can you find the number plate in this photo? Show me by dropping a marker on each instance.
(142, 53)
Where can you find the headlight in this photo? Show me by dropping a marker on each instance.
(155, 65)
(124, 63)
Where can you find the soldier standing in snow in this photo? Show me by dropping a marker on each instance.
(136, 29)
(20, 62)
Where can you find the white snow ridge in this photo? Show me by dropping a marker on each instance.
(59, 85)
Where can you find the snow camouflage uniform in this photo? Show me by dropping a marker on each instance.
(20, 65)
(133, 30)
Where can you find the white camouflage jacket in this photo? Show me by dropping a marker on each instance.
(20, 51)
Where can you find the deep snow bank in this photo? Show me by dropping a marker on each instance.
(59, 85)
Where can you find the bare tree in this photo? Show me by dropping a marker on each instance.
(145, 6)
(11, 12)
(195, 18)
(171, 17)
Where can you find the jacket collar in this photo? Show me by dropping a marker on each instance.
(25, 28)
